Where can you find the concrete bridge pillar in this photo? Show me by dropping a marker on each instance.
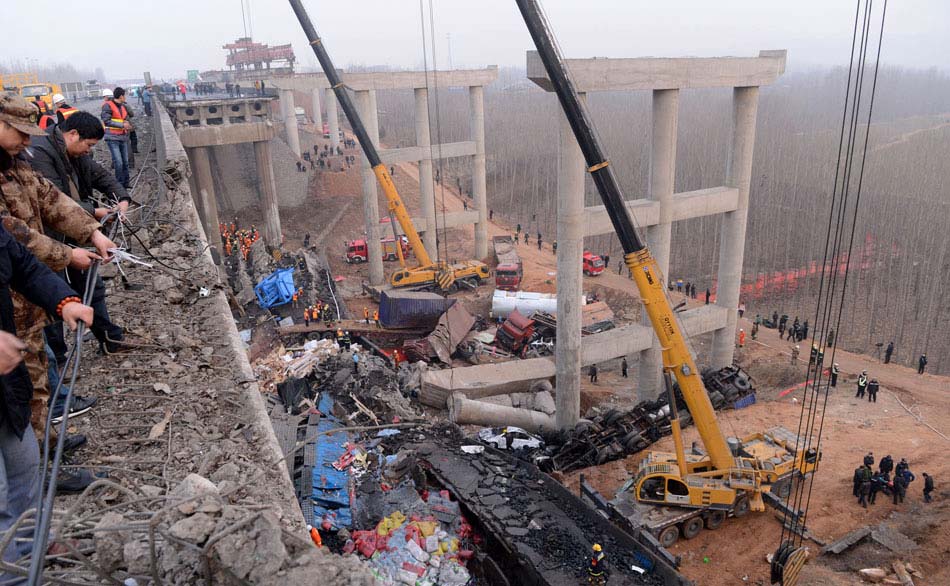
(317, 114)
(426, 191)
(662, 171)
(745, 103)
(333, 119)
(476, 98)
(570, 286)
(288, 109)
(265, 178)
(366, 103)
(205, 196)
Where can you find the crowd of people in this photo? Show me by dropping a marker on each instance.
(49, 214)
(236, 239)
(868, 482)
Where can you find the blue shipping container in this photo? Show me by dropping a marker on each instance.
(411, 309)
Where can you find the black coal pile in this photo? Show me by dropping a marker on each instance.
(544, 533)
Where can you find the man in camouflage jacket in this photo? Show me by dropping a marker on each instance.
(28, 202)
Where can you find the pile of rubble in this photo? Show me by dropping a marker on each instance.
(200, 536)
(428, 543)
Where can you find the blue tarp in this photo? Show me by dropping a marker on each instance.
(276, 288)
(331, 487)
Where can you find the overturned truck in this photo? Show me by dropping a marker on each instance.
(616, 434)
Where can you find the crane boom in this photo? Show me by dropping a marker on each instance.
(643, 267)
(396, 207)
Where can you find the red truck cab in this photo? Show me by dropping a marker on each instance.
(593, 265)
(515, 334)
(356, 251)
(508, 276)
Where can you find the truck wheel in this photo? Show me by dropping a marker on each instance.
(714, 519)
(586, 273)
(611, 417)
(741, 383)
(631, 441)
(692, 527)
(741, 507)
(669, 536)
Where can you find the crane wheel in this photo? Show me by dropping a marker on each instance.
(741, 508)
(692, 527)
(669, 536)
(714, 519)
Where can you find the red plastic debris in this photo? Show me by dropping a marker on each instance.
(417, 570)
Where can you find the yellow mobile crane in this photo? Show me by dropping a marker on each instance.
(730, 477)
(429, 273)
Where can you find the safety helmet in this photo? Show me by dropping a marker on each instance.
(58, 99)
(836, 365)
(864, 372)
(346, 333)
(597, 547)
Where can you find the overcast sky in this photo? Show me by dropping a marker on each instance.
(168, 37)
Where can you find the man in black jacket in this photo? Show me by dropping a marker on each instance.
(62, 156)
(19, 452)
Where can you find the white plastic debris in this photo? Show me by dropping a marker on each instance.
(473, 449)
(204, 292)
(415, 551)
(432, 543)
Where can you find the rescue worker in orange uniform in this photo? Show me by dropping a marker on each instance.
(366, 315)
(306, 316)
(741, 338)
(294, 298)
(45, 118)
(376, 317)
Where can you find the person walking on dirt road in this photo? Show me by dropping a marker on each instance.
(928, 487)
(921, 363)
(623, 367)
(593, 373)
(888, 352)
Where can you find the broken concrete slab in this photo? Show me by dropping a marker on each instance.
(482, 381)
(882, 534)
(847, 541)
(464, 411)
(892, 539)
